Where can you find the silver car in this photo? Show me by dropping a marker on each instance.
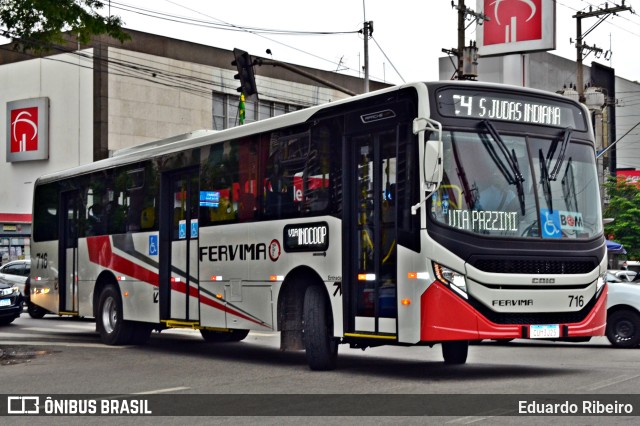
(16, 272)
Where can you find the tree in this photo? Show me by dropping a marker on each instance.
(39, 24)
(624, 208)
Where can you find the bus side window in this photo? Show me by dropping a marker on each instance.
(96, 220)
(279, 193)
(248, 179)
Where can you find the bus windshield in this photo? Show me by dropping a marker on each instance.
(517, 186)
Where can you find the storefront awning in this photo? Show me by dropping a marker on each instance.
(15, 218)
(615, 248)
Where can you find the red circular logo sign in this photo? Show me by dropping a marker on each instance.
(274, 250)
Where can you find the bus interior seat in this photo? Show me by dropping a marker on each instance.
(147, 218)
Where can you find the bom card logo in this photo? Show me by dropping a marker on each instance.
(28, 130)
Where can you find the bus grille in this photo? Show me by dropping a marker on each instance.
(535, 266)
(534, 317)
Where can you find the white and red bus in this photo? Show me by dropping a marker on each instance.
(428, 213)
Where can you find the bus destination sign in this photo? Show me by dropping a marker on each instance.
(306, 237)
(506, 107)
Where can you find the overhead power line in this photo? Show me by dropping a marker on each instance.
(215, 25)
(263, 34)
(187, 82)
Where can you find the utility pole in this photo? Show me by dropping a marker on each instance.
(602, 14)
(464, 14)
(461, 16)
(367, 31)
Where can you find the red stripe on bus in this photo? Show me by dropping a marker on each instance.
(100, 253)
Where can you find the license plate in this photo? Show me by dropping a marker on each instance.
(5, 302)
(544, 331)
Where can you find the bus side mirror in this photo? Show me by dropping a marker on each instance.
(432, 160)
(432, 164)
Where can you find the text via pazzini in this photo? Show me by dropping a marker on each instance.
(483, 220)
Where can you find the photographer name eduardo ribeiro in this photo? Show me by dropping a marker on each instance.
(586, 407)
(32, 405)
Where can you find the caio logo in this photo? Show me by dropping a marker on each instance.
(28, 130)
(24, 129)
(512, 21)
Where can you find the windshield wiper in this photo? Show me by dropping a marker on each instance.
(563, 149)
(510, 170)
(544, 180)
(470, 197)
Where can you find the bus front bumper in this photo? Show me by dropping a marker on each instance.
(446, 316)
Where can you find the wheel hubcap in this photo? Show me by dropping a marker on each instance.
(624, 330)
(109, 315)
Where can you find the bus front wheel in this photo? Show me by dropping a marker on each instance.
(320, 345)
(113, 329)
(455, 351)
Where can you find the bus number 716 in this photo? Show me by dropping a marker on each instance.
(577, 301)
(41, 260)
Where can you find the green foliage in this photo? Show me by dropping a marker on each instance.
(624, 208)
(39, 24)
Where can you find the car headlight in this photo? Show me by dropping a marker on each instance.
(9, 291)
(455, 280)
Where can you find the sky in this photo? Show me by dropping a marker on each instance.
(408, 35)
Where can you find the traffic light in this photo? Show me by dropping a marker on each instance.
(244, 63)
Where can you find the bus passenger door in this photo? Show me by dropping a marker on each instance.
(180, 273)
(371, 262)
(68, 249)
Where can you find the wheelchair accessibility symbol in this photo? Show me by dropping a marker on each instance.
(550, 225)
(153, 245)
(194, 228)
(182, 229)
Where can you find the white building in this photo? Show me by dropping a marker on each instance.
(109, 96)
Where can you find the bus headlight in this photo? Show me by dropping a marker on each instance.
(453, 279)
(600, 283)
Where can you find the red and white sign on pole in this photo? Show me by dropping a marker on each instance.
(516, 26)
(28, 130)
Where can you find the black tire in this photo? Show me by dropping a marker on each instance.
(320, 345)
(455, 351)
(36, 311)
(141, 333)
(623, 329)
(113, 329)
(215, 336)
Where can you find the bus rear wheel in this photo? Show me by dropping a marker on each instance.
(113, 329)
(320, 345)
(36, 311)
(455, 351)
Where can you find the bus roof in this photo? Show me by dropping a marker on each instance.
(203, 137)
(198, 138)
